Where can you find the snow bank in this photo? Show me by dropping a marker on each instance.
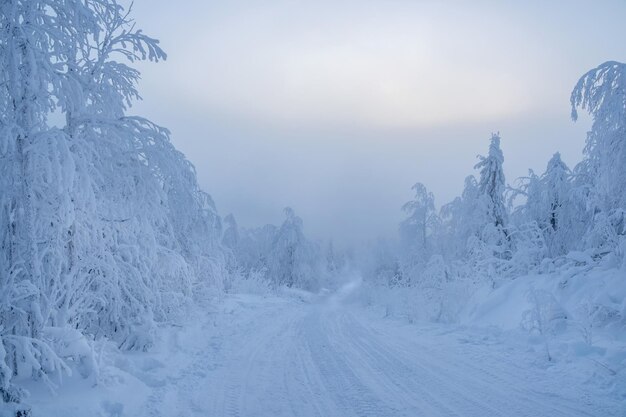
(599, 293)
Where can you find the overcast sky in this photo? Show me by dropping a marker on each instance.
(336, 108)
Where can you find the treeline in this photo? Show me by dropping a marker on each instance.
(495, 232)
(104, 230)
(281, 255)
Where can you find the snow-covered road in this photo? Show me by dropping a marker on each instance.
(263, 356)
(320, 359)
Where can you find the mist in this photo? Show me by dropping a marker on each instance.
(337, 110)
(350, 208)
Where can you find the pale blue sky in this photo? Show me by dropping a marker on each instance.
(337, 107)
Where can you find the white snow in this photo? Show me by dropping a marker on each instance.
(121, 286)
(282, 356)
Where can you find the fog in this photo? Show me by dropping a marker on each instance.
(338, 109)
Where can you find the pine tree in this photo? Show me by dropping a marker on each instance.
(489, 251)
(491, 184)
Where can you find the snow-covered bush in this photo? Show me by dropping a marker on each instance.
(545, 317)
(71, 345)
(254, 282)
(530, 249)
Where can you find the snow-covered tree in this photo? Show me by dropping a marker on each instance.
(334, 261)
(462, 221)
(103, 227)
(380, 264)
(477, 221)
(417, 227)
(602, 174)
(283, 255)
(473, 229)
(293, 260)
(37, 170)
(254, 248)
(556, 192)
(230, 242)
(552, 205)
(491, 184)
(494, 239)
(602, 92)
(230, 237)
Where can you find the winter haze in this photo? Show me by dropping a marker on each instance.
(397, 129)
(337, 108)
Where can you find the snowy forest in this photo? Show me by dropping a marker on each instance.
(109, 245)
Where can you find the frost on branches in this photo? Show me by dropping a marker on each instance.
(103, 228)
(562, 220)
(602, 174)
(283, 255)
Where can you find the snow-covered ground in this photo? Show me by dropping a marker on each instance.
(304, 355)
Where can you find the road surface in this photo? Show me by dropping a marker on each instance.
(321, 358)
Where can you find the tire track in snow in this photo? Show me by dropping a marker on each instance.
(254, 388)
(291, 359)
(451, 397)
(348, 391)
(501, 385)
(306, 390)
(418, 384)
